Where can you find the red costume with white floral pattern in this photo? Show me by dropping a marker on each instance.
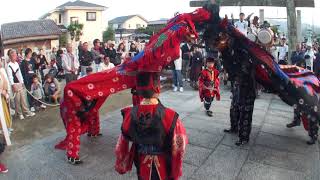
(209, 84)
(87, 96)
(83, 98)
(163, 158)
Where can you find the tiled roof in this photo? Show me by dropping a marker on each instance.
(79, 3)
(122, 19)
(29, 29)
(158, 22)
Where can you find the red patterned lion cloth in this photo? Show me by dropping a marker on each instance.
(83, 98)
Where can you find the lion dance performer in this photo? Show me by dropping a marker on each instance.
(296, 87)
(83, 98)
(209, 85)
(157, 134)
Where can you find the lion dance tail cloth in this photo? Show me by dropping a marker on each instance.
(83, 98)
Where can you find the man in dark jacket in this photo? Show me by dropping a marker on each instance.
(28, 70)
(297, 56)
(186, 57)
(85, 58)
(111, 52)
(316, 64)
(98, 54)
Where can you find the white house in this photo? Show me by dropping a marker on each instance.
(88, 14)
(125, 26)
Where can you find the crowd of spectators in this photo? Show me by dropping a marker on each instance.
(35, 78)
(32, 80)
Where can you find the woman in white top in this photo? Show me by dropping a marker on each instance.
(106, 64)
(254, 26)
(177, 76)
(309, 57)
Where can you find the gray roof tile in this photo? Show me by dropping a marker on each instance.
(29, 29)
(79, 3)
(122, 19)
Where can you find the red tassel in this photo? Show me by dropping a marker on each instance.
(305, 122)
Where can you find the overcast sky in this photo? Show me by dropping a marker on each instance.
(21, 10)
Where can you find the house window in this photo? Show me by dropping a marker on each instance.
(138, 26)
(129, 26)
(142, 25)
(74, 20)
(91, 16)
(60, 18)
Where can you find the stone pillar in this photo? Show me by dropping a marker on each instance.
(292, 27)
(299, 25)
(261, 14)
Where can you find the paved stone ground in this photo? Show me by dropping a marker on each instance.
(274, 153)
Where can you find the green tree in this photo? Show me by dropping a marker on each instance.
(75, 31)
(109, 34)
(63, 40)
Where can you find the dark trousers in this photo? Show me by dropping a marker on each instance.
(313, 127)
(234, 109)
(37, 103)
(246, 97)
(177, 78)
(185, 68)
(29, 97)
(71, 77)
(296, 116)
(245, 116)
(207, 102)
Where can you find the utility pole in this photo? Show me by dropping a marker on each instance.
(299, 26)
(292, 27)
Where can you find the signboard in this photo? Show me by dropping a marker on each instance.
(277, 3)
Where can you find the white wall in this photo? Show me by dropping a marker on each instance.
(55, 43)
(91, 29)
(132, 23)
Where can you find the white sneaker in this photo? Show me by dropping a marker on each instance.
(181, 89)
(32, 109)
(21, 117)
(30, 114)
(12, 112)
(175, 89)
(43, 106)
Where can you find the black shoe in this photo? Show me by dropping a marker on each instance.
(241, 142)
(93, 136)
(312, 141)
(231, 131)
(209, 113)
(293, 124)
(74, 161)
